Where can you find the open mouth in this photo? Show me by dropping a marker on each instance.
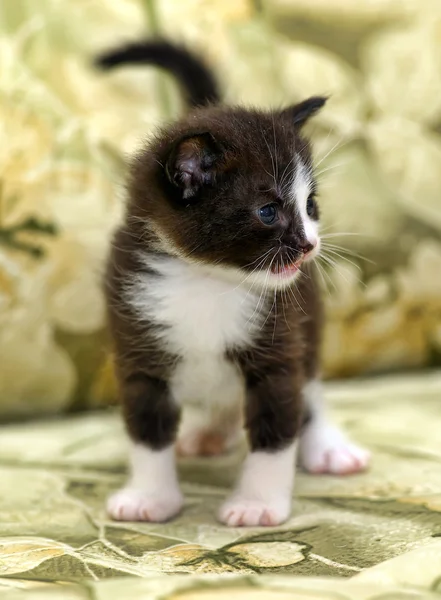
(286, 270)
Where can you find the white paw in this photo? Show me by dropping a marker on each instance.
(324, 449)
(131, 504)
(243, 512)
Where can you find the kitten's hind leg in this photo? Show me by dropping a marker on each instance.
(324, 448)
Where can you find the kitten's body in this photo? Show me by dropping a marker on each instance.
(216, 314)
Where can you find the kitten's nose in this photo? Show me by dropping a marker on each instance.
(307, 248)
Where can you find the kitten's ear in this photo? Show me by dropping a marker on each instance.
(192, 163)
(302, 112)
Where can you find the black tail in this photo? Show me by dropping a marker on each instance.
(195, 78)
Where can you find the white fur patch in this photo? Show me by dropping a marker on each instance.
(212, 391)
(263, 494)
(301, 189)
(323, 447)
(202, 316)
(205, 314)
(152, 492)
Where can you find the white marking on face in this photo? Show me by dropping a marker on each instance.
(263, 494)
(301, 189)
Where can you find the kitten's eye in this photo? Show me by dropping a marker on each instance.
(311, 206)
(268, 214)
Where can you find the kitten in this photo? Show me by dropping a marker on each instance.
(213, 303)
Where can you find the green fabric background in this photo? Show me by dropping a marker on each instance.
(372, 534)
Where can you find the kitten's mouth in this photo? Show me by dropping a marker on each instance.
(286, 270)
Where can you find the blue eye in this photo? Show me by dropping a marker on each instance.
(268, 214)
(311, 207)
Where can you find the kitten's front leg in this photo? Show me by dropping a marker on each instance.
(152, 492)
(263, 494)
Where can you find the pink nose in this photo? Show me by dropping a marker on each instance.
(307, 248)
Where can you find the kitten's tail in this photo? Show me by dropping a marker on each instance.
(195, 77)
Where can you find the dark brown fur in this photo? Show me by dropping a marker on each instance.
(195, 191)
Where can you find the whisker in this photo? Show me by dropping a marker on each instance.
(258, 258)
(291, 292)
(275, 147)
(256, 268)
(335, 147)
(272, 158)
(344, 258)
(263, 291)
(275, 315)
(340, 249)
(282, 180)
(334, 265)
(320, 272)
(270, 311)
(343, 233)
(334, 253)
(284, 301)
(318, 172)
(325, 273)
(269, 174)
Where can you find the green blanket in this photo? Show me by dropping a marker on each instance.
(361, 537)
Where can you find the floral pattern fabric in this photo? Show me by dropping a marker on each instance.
(366, 536)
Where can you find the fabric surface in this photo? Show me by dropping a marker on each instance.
(66, 131)
(364, 536)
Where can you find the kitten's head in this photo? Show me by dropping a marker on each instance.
(233, 189)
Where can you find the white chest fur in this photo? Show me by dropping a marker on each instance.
(203, 316)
